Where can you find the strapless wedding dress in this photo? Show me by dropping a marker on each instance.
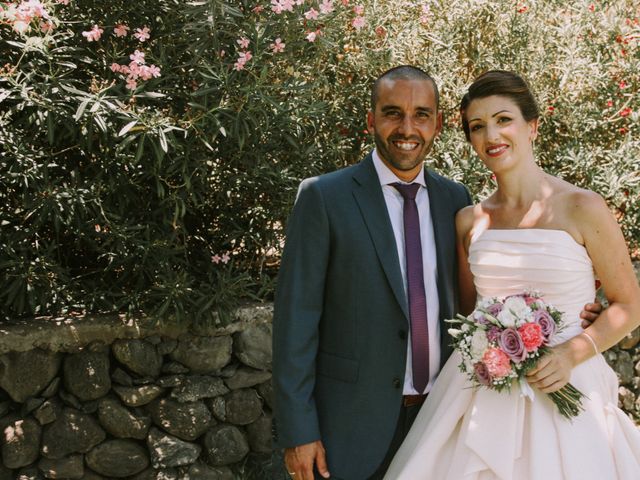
(462, 433)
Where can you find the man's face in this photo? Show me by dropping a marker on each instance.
(405, 124)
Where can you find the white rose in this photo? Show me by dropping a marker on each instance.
(506, 318)
(479, 344)
(518, 307)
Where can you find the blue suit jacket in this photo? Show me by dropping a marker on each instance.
(341, 316)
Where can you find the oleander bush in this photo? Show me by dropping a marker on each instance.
(150, 151)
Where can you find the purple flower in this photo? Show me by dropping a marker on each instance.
(546, 322)
(482, 374)
(494, 309)
(493, 334)
(511, 343)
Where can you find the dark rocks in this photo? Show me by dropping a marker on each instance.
(259, 433)
(67, 467)
(138, 356)
(138, 396)
(118, 458)
(224, 445)
(253, 346)
(202, 471)
(123, 410)
(169, 451)
(121, 377)
(247, 377)
(242, 407)
(25, 374)
(624, 367)
(186, 421)
(196, 387)
(265, 390)
(48, 411)
(86, 375)
(72, 432)
(203, 354)
(21, 443)
(120, 422)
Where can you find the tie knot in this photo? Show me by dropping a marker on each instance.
(408, 191)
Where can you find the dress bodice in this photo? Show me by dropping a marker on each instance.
(550, 262)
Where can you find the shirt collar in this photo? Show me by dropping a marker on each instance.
(387, 177)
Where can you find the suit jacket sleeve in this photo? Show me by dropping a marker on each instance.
(297, 313)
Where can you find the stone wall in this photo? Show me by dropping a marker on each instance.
(107, 397)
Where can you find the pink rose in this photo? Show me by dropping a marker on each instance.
(493, 334)
(531, 334)
(497, 362)
(546, 322)
(482, 374)
(511, 343)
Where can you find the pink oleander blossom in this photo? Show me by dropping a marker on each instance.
(225, 258)
(277, 46)
(120, 30)
(142, 34)
(358, 23)
(147, 72)
(94, 34)
(243, 42)
(132, 84)
(115, 67)
(312, 36)
(326, 6)
(137, 57)
(312, 14)
(279, 6)
(20, 26)
(359, 10)
(47, 27)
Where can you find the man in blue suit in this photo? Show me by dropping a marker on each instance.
(344, 390)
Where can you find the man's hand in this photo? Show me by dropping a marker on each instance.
(590, 313)
(299, 461)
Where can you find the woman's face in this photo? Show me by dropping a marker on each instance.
(499, 133)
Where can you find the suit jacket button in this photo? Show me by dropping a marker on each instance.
(397, 383)
(402, 334)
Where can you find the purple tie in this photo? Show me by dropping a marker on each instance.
(415, 286)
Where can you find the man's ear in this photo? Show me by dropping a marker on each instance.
(371, 124)
(438, 122)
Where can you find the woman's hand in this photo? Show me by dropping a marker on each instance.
(553, 370)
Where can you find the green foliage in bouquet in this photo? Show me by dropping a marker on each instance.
(150, 151)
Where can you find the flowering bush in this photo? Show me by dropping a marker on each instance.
(151, 150)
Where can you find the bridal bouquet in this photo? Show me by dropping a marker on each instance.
(503, 339)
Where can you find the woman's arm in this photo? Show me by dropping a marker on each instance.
(608, 252)
(464, 223)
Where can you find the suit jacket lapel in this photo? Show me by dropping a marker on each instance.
(368, 194)
(444, 233)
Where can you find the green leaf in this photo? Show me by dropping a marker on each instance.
(127, 127)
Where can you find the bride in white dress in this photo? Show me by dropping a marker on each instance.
(535, 232)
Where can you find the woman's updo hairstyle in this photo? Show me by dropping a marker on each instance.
(502, 83)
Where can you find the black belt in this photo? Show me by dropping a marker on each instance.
(411, 400)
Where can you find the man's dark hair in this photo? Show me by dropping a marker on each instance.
(502, 83)
(403, 72)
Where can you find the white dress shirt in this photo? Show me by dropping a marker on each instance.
(395, 203)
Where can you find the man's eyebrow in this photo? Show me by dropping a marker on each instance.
(388, 108)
